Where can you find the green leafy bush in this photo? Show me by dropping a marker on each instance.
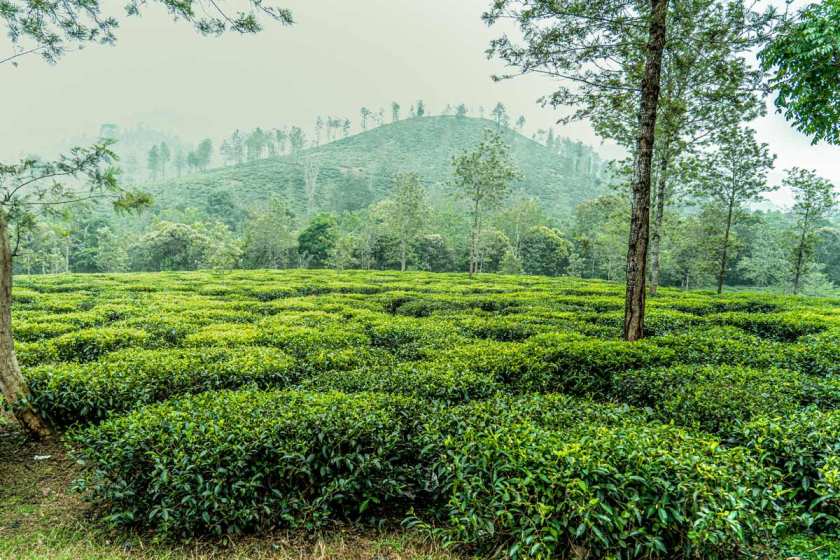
(79, 393)
(231, 462)
(437, 382)
(804, 446)
(529, 483)
(716, 398)
(88, 344)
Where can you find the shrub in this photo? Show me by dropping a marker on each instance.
(88, 344)
(410, 338)
(598, 487)
(438, 382)
(783, 326)
(716, 398)
(569, 364)
(804, 446)
(80, 393)
(232, 462)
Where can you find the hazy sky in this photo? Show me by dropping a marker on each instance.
(338, 57)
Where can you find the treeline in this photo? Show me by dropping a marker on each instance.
(474, 223)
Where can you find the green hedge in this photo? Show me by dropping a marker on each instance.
(568, 364)
(783, 326)
(716, 398)
(437, 382)
(79, 393)
(533, 481)
(805, 447)
(231, 462)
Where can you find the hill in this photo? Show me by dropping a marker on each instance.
(357, 171)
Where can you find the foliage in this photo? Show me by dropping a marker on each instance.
(227, 462)
(802, 62)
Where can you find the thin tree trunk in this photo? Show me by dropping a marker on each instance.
(12, 383)
(402, 255)
(659, 212)
(800, 256)
(634, 305)
(725, 250)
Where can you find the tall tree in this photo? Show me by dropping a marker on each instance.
(733, 174)
(500, 115)
(804, 61)
(153, 162)
(203, 154)
(311, 170)
(407, 212)
(589, 45)
(164, 156)
(29, 190)
(483, 176)
(365, 114)
(46, 28)
(395, 111)
(815, 200)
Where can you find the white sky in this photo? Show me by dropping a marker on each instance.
(338, 57)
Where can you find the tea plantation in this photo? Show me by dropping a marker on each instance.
(502, 415)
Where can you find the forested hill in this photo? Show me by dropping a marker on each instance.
(356, 171)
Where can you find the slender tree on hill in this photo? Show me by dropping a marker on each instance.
(30, 188)
(483, 176)
(815, 201)
(731, 176)
(407, 212)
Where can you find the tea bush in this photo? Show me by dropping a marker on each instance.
(504, 411)
(228, 462)
(805, 447)
(76, 393)
(716, 398)
(617, 488)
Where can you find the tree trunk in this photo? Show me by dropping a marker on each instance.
(725, 250)
(402, 255)
(800, 256)
(659, 212)
(634, 305)
(12, 382)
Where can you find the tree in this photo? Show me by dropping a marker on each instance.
(46, 28)
(164, 155)
(609, 56)
(731, 175)
(153, 162)
(483, 176)
(815, 200)
(180, 161)
(111, 251)
(421, 108)
(365, 114)
(297, 141)
(311, 170)
(518, 218)
(520, 124)
(395, 111)
(578, 41)
(268, 236)
(170, 246)
(407, 212)
(203, 154)
(461, 110)
(544, 251)
(804, 61)
(317, 241)
(500, 115)
(30, 190)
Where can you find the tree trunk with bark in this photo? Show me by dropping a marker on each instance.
(12, 383)
(725, 249)
(634, 305)
(658, 216)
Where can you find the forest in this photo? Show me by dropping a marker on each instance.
(275, 200)
(604, 324)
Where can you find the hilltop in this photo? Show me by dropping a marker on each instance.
(356, 171)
